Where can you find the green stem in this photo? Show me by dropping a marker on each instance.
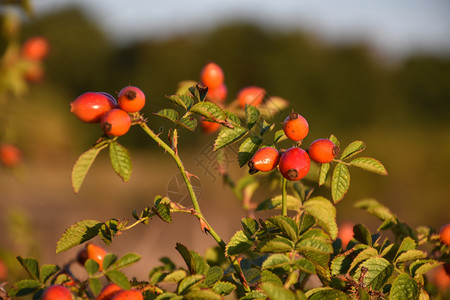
(284, 197)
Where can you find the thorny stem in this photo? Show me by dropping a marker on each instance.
(191, 192)
(284, 197)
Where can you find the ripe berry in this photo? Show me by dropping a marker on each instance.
(251, 95)
(96, 253)
(35, 48)
(90, 107)
(212, 76)
(444, 234)
(116, 122)
(131, 99)
(34, 72)
(294, 164)
(56, 292)
(109, 291)
(3, 271)
(10, 155)
(442, 279)
(447, 268)
(209, 127)
(265, 159)
(295, 127)
(217, 95)
(345, 233)
(132, 294)
(323, 151)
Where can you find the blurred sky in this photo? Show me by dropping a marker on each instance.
(394, 27)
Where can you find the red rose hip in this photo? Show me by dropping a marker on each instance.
(251, 95)
(56, 292)
(116, 122)
(294, 164)
(212, 76)
(132, 294)
(131, 99)
(323, 151)
(295, 127)
(90, 106)
(265, 159)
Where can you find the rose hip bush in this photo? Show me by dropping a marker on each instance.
(298, 252)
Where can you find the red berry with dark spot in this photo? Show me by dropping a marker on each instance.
(132, 294)
(251, 95)
(212, 76)
(109, 291)
(323, 151)
(56, 292)
(90, 107)
(295, 127)
(294, 164)
(265, 159)
(116, 122)
(131, 99)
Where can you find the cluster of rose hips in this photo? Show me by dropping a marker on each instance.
(212, 77)
(113, 115)
(293, 163)
(111, 291)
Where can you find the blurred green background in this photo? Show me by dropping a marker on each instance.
(400, 108)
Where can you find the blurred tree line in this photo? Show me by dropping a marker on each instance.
(400, 109)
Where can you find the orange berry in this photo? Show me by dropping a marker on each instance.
(109, 291)
(217, 95)
(294, 164)
(265, 159)
(251, 95)
(345, 233)
(323, 151)
(96, 253)
(209, 127)
(132, 294)
(35, 48)
(90, 107)
(116, 122)
(295, 127)
(10, 155)
(212, 76)
(444, 234)
(3, 271)
(442, 279)
(56, 292)
(34, 72)
(131, 99)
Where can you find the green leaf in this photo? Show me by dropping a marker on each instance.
(411, 255)
(199, 92)
(287, 226)
(252, 275)
(314, 245)
(201, 294)
(379, 270)
(184, 101)
(162, 208)
(47, 271)
(340, 265)
(187, 257)
(279, 136)
(228, 136)
(274, 291)
(334, 140)
(364, 255)
(340, 182)
(275, 245)
(77, 234)
(240, 242)
(369, 164)
(82, 165)
(126, 260)
(210, 111)
(108, 230)
(266, 127)
(325, 214)
(305, 265)
(25, 287)
(188, 122)
(188, 283)
(250, 225)
(201, 265)
(422, 266)
(376, 209)
(91, 266)
(276, 261)
(108, 260)
(252, 115)
(120, 160)
(323, 173)
(406, 245)
(248, 148)
(119, 278)
(223, 288)
(95, 285)
(213, 275)
(169, 114)
(353, 149)
(175, 276)
(404, 288)
(362, 234)
(293, 203)
(326, 293)
(30, 265)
